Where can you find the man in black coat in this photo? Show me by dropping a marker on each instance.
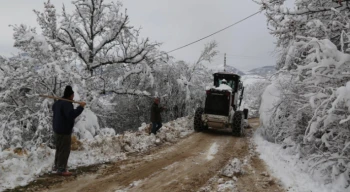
(63, 122)
(156, 119)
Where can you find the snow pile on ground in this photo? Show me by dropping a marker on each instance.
(232, 169)
(133, 184)
(18, 169)
(219, 185)
(226, 186)
(212, 151)
(286, 166)
(226, 179)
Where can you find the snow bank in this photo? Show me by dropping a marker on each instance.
(286, 165)
(227, 186)
(19, 170)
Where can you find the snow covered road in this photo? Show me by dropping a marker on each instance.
(195, 163)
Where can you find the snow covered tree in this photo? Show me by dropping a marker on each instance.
(180, 85)
(322, 19)
(99, 32)
(193, 79)
(314, 63)
(127, 73)
(26, 120)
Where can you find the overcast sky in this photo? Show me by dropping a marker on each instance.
(174, 23)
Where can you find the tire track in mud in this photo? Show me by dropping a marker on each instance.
(185, 166)
(178, 167)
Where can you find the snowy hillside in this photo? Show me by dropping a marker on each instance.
(232, 69)
(263, 71)
(256, 73)
(251, 75)
(229, 69)
(251, 79)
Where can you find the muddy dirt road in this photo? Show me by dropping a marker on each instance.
(192, 164)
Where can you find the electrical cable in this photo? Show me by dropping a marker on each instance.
(215, 32)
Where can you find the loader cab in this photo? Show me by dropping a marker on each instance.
(232, 80)
(220, 99)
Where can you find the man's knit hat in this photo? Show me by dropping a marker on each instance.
(68, 91)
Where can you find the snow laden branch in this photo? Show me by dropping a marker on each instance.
(304, 7)
(208, 53)
(132, 92)
(100, 34)
(320, 19)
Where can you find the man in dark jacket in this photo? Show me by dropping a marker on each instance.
(156, 119)
(63, 122)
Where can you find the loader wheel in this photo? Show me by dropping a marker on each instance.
(245, 112)
(198, 123)
(237, 124)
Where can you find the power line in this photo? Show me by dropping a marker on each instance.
(206, 36)
(246, 57)
(257, 56)
(215, 32)
(220, 57)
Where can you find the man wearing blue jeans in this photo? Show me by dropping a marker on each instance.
(156, 119)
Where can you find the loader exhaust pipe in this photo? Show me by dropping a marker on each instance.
(241, 97)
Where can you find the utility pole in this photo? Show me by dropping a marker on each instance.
(225, 63)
